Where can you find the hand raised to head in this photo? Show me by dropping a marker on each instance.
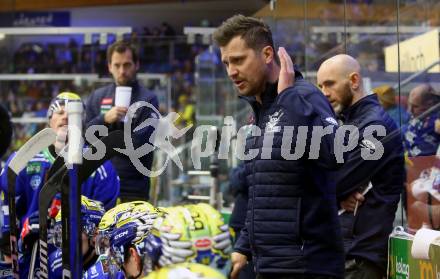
(287, 74)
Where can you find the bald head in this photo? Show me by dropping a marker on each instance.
(342, 64)
(421, 98)
(340, 80)
(422, 90)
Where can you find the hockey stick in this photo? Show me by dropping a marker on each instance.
(47, 193)
(113, 141)
(56, 172)
(32, 147)
(74, 160)
(33, 259)
(55, 183)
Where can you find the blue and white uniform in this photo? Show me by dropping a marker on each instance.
(420, 136)
(101, 270)
(102, 185)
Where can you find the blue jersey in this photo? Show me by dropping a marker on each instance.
(102, 185)
(56, 264)
(420, 136)
(101, 270)
(4, 213)
(6, 270)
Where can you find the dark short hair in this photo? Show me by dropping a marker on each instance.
(121, 47)
(253, 31)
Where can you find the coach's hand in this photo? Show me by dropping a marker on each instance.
(349, 204)
(115, 114)
(287, 73)
(238, 262)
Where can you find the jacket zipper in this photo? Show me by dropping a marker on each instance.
(254, 144)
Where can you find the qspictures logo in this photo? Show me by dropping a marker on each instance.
(283, 142)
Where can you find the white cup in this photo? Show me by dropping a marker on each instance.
(123, 97)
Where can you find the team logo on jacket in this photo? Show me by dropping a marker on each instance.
(368, 145)
(271, 126)
(106, 105)
(35, 181)
(107, 101)
(331, 120)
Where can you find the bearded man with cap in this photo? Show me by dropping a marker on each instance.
(102, 185)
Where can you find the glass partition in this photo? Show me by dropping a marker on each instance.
(418, 55)
(397, 45)
(194, 82)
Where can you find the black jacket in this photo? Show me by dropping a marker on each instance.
(366, 234)
(239, 189)
(292, 224)
(133, 183)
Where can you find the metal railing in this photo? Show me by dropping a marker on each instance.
(415, 75)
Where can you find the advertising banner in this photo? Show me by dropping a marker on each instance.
(401, 265)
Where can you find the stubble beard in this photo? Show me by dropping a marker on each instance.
(126, 81)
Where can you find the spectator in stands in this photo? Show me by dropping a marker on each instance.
(156, 32)
(420, 135)
(387, 98)
(424, 198)
(73, 48)
(40, 109)
(146, 31)
(186, 111)
(100, 66)
(123, 64)
(187, 70)
(85, 65)
(167, 30)
(14, 109)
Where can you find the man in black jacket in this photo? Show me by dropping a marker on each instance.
(239, 188)
(369, 214)
(123, 63)
(291, 228)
